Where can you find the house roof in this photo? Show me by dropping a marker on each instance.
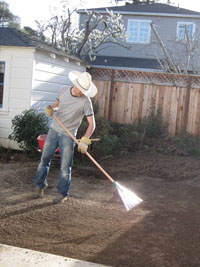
(148, 8)
(125, 63)
(14, 37)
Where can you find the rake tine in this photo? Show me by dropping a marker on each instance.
(129, 199)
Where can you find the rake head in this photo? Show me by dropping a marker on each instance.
(129, 198)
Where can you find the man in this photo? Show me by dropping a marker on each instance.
(72, 104)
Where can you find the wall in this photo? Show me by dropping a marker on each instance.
(17, 87)
(49, 74)
(166, 27)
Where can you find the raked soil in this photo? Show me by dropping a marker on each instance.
(93, 225)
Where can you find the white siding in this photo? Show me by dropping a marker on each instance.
(17, 88)
(49, 74)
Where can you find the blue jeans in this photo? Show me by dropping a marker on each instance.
(66, 145)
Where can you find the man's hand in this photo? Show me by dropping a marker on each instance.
(49, 110)
(83, 144)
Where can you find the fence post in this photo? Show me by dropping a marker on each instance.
(187, 103)
(111, 94)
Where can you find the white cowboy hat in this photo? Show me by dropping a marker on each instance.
(83, 81)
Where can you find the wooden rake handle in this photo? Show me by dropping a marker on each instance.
(92, 139)
(89, 156)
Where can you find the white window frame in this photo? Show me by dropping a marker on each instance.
(2, 82)
(6, 58)
(138, 33)
(183, 23)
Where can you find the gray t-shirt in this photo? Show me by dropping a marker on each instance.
(71, 111)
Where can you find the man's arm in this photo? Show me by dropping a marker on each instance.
(91, 126)
(85, 141)
(51, 108)
(55, 105)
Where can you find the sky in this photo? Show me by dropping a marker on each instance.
(31, 10)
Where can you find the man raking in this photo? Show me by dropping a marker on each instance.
(72, 104)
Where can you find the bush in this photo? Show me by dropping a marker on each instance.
(189, 143)
(26, 128)
(153, 125)
(114, 137)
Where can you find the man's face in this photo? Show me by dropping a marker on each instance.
(78, 92)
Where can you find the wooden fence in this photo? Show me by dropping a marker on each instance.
(125, 96)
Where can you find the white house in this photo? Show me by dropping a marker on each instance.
(31, 73)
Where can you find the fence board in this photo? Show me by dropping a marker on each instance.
(191, 112)
(179, 121)
(104, 104)
(129, 103)
(198, 115)
(107, 99)
(126, 94)
(145, 100)
(196, 111)
(174, 108)
(165, 109)
(114, 102)
(141, 94)
(98, 98)
(137, 102)
(133, 103)
(149, 99)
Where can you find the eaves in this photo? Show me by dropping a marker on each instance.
(61, 53)
(51, 52)
(150, 14)
(125, 68)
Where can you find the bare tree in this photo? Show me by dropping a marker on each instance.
(182, 57)
(94, 34)
(165, 52)
(99, 31)
(190, 51)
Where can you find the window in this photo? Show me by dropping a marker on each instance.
(138, 31)
(181, 32)
(2, 71)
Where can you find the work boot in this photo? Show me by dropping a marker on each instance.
(40, 191)
(59, 199)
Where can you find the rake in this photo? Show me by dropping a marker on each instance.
(129, 198)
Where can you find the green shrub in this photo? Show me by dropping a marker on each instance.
(153, 125)
(114, 137)
(26, 128)
(189, 143)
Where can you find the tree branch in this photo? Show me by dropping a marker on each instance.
(168, 58)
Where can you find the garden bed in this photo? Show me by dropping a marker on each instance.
(93, 224)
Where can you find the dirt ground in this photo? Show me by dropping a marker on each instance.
(93, 224)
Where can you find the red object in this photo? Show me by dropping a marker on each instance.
(41, 140)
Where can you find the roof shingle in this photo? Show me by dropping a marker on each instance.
(148, 8)
(14, 37)
(125, 62)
